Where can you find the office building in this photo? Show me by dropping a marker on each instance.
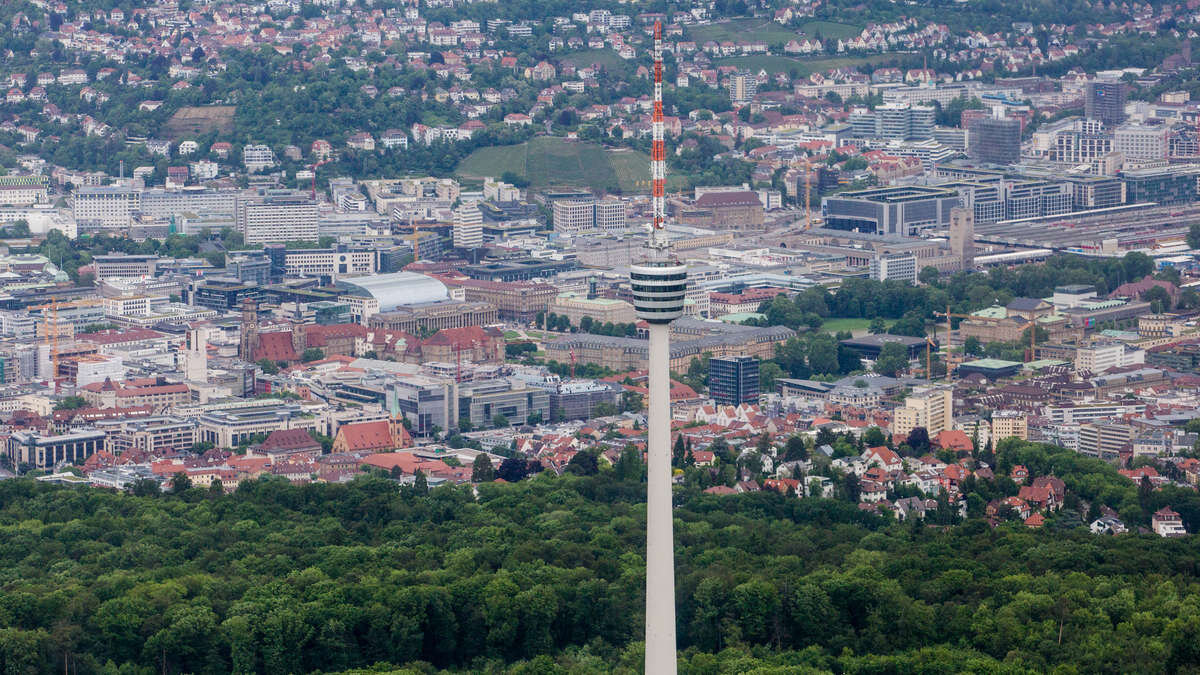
(166, 204)
(1138, 141)
(427, 403)
(894, 267)
(576, 306)
(278, 218)
(517, 300)
(737, 210)
(743, 85)
(232, 427)
(894, 122)
(41, 451)
(118, 265)
(333, 262)
(904, 211)
(576, 216)
(931, 408)
(162, 435)
(578, 400)
(107, 207)
(249, 268)
(733, 380)
(1161, 185)
(481, 402)
(995, 140)
(962, 237)
(1104, 101)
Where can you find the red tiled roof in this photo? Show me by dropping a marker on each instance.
(368, 436)
(289, 439)
(719, 199)
(276, 346)
(110, 337)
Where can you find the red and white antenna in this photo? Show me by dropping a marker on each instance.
(658, 151)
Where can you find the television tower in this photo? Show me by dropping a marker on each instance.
(659, 283)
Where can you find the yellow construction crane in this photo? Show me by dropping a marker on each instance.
(950, 331)
(51, 328)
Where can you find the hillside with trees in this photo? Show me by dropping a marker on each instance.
(546, 576)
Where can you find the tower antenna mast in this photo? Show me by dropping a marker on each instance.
(658, 153)
(659, 285)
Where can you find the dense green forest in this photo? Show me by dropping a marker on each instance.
(546, 576)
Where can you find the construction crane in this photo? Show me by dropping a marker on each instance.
(51, 329)
(807, 194)
(415, 237)
(314, 168)
(929, 342)
(950, 330)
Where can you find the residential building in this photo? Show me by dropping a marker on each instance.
(932, 408)
(154, 391)
(1101, 356)
(894, 121)
(257, 157)
(743, 85)
(1167, 523)
(1009, 424)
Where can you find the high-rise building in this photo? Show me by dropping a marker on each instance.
(996, 140)
(733, 380)
(962, 237)
(932, 409)
(1104, 100)
(742, 87)
(468, 226)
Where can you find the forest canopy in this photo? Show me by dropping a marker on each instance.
(546, 576)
